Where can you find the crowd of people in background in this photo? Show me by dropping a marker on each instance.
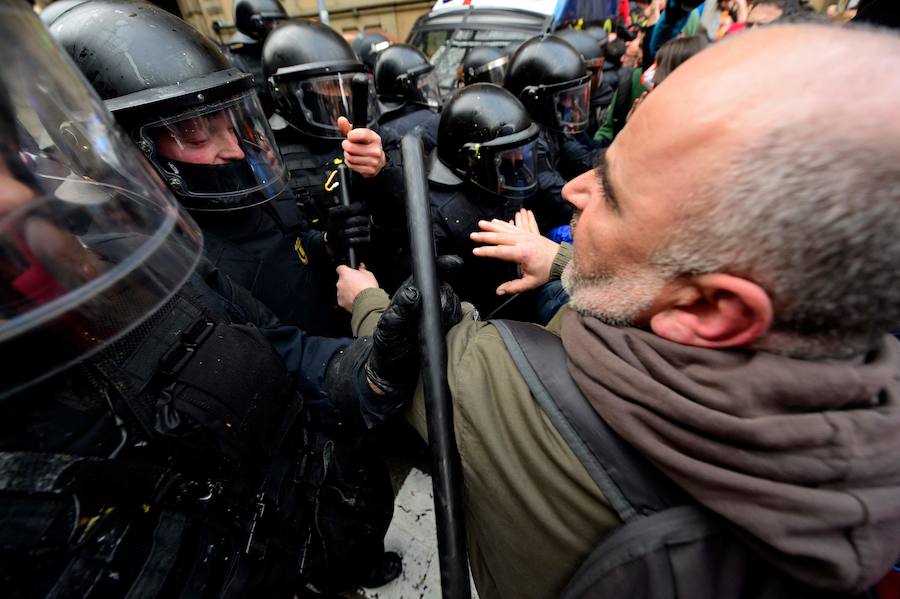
(207, 297)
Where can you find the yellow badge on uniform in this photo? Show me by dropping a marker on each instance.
(301, 253)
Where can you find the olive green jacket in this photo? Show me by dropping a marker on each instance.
(532, 511)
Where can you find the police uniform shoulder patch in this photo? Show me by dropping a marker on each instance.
(301, 253)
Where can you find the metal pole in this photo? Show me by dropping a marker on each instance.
(323, 12)
(445, 467)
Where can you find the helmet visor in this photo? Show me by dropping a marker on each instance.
(220, 156)
(491, 72)
(91, 243)
(516, 171)
(572, 107)
(507, 171)
(322, 100)
(427, 91)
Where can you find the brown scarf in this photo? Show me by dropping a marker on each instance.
(802, 455)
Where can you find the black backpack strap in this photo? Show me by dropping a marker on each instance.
(631, 484)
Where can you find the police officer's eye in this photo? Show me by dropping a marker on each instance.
(196, 140)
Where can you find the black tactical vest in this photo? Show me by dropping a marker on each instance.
(211, 483)
(266, 249)
(412, 119)
(310, 163)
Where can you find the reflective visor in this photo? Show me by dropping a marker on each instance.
(508, 169)
(516, 171)
(427, 90)
(217, 157)
(593, 64)
(572, 107)
(323, 99)
(491, 72)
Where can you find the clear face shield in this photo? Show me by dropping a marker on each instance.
(505, 171)
(220, 156)
(516, 171)
(91, 242)
(573, 107)
(427, 90)
(491, 72)
(265, 23)
(595, 72)
(324, 99)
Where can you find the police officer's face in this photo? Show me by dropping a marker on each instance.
(330, 89)
(202, 140)
(13, 193)
(63, 262)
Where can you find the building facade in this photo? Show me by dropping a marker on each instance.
(396, 18)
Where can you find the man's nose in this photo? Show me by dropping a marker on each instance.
(229, 148)
(577, 191)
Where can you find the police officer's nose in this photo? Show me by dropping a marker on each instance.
(229, 148)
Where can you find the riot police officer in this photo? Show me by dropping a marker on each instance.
(483, 168)
(591, 51)
(309, 68)
(483, 64)
(254, 19)
(153, 439)
(548, 75)
(198, 122)
(408, 94)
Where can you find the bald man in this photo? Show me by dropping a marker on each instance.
(733, 285)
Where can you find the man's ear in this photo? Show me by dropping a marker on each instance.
(715, 311)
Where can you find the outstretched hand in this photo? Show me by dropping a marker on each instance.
(526, 221)
(523, 245)
(363, 152)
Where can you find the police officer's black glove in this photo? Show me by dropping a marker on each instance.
(348, 226)
(393, 365)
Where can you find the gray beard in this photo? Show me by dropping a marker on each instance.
(614, 299)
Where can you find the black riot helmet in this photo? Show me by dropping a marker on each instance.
(368, 45)
(196, 118)
(599, 33)
(404, 76)
(547, 74)
(484, 64)
(485, 137)
(586, 44)
(309, 67)
(53, 11)
(256, 18)
(590, 51)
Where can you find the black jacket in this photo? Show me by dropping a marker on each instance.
(178, 459)
(455, 214)
(413, 118)
(271, 250)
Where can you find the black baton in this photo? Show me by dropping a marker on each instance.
(445, 466)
